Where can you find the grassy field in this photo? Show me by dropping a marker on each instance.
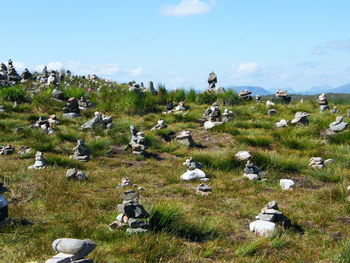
(185, 227)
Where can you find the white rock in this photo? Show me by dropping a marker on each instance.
(262, 228)
(211, 124)
(328, 161)
(243, 155)
(252, 177)
(193, 174)
(287, 184)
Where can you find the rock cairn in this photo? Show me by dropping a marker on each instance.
(127, 183)
(84, 103)
(335, 110)
(4, 213)
(76, 175)
(193, 171)
(212, 80)
(245, 94)
(100, 121)
(338, 125)
(7, 149)
(72, 108)
(132, 214)
(257, 98)
(185, 139)
(138, 141)
(323, 102)
(301, 119)
(81, 152)
(46, 124)
(268, 219)
(57, 94)
(253, 173)
(72, 250)
(160, 125)
(40, 162)
(180, 108)
(317, 162)
(203, 189)
(282, 96)
(213, 116)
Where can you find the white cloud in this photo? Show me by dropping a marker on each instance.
(332, 45)
(247, 68)
(136, 72)
(188, 7)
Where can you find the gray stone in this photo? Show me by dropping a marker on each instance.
(192, 175)
(39, 161)
(135, 210)
(81, 152)
(76, 175)
(192, 164)
(338, 125)
(185, 139)
(136, 230)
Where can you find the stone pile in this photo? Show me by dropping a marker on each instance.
(100, 121)
(138, 141)
(160, 125)
(268, 219)
(72, 250)
(133, 86)
(40, 162)
(7, 149)
(245, 94)
(212, 80)
(185, 139)
(301, 119)
(53, 78)
(132, 214)
(127, 183)
(203, 189)
(24, 150)
(323, 102)
(84, 103)
(57, 94)
(46, 125)
(253, 173)
(335, 110)
(81, 152)
(317, 162)
(193, 171)
(282, 96)
(338, 125)
(12, 75)
(4, 213)
(76, 175)
(72, 108)
(214, 117)
(281, 124)
(257, 98)
(180, 108)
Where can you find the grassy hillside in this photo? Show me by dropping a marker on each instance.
(186, 227)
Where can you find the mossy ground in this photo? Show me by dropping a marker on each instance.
(187, 227)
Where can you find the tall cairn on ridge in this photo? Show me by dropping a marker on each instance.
(282, 96)
(323, 102)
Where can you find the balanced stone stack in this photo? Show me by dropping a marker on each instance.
(72, 250)
(53, 79)
(81, 152)
(4, 213)
(203, 189)
(3, 74)
(193, 171)
(227, 115)
(12, 75)
(40, 162)
(100, 121)
(214, 117)
(138, 141)
(257, 98)
(212, 80)
(301, 119)
(160, 125)
(268, 219)
(245, 94)
(132, 214)
(76, 175)
(185, 139)
(127, 183)
(181, 107)
(335, 110)
(84, 103)
(46, 125)
(338, 125)
(282, 96)
(26, 75)
(7, 149)
(72, 108)
(323, 102)
(57, 94)
(281, 124)
(253, 173)
(317, 162)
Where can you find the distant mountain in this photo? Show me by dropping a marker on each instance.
(255, 90)
(342, 89)
(316, 90)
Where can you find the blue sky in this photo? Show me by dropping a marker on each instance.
(274, 44)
